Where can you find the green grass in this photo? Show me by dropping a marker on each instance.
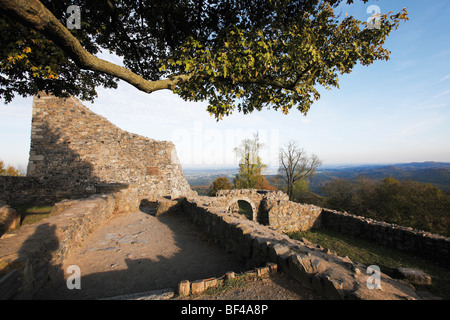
(31, 213)
(368, 253)
(223, 286)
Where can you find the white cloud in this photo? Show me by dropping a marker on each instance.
(441, 94)
(421, 126)
(445, 78)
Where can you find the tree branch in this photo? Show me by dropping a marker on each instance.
(34, 14)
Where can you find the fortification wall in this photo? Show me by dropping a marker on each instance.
(274, 210)
(288, 216)
(317, 268)
(271, 208)
(73, 149)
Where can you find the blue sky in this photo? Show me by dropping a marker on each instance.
(394, 111)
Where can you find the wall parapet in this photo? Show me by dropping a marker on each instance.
(317, 268)
(33, 254)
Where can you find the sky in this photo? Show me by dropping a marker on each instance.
(392, 111)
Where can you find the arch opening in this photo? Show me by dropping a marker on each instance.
(245, 209)
(243, 206)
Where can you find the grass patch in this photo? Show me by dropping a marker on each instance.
(241, 281)
(31, 213)
(369, 253)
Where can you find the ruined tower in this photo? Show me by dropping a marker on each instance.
(73, 150)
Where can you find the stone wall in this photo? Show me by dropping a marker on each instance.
(325, 272)
(26, 189)
(33, 254)
(422, 243)
(9, 218)
(274, 210)
(73, 150)
(228, 199)
(288, 216)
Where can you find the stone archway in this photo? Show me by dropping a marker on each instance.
(234, 201)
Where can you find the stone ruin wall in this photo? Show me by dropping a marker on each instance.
(320, 269)
(254, 244)
(35, 253)
(273, 209)
(73, 151)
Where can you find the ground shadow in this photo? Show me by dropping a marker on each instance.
(197, 257)
(148, 207)
(36, 256)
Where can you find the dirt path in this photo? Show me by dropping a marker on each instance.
(137, 252)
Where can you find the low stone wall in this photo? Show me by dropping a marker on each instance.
(27, 189)
(422, 243)
(33, 254)
(288, 216)
(9, 218)
(273, 209)
(314, 267)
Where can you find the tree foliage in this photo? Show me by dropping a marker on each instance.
(9, 170)
(240, 55)
(220, 183)
(250, 165)
(302, 194)
(407, 203)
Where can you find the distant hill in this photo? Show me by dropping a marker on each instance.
(435, 173)
(205, 177)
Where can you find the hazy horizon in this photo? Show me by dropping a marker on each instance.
(330, 165)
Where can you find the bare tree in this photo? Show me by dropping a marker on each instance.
(296, 165)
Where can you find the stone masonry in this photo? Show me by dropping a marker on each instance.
(273, 209)
(73, 150)
(325, 272)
